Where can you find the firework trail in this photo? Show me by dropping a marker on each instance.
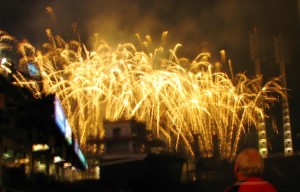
(180, 104)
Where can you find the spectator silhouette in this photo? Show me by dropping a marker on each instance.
(248, 169)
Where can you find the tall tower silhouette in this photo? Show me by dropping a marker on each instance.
(282, 59)
(256, 56)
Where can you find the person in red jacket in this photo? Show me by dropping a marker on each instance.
(248, 169)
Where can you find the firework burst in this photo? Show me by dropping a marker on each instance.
(179, 104)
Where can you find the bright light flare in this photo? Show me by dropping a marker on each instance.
(186, 107)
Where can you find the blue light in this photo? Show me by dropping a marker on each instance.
(33, 70)
(82, 159)
(62, 122)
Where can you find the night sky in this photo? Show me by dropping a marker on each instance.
(221, 24)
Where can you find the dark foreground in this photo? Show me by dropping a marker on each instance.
(212, 177)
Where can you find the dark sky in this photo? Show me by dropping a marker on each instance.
(223, 24)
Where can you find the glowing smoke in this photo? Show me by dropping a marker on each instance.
(180, 105)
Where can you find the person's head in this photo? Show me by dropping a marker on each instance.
(248, 163)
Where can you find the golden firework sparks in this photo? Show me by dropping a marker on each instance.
(179, 104)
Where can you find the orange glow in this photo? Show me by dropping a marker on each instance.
(181, 105)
